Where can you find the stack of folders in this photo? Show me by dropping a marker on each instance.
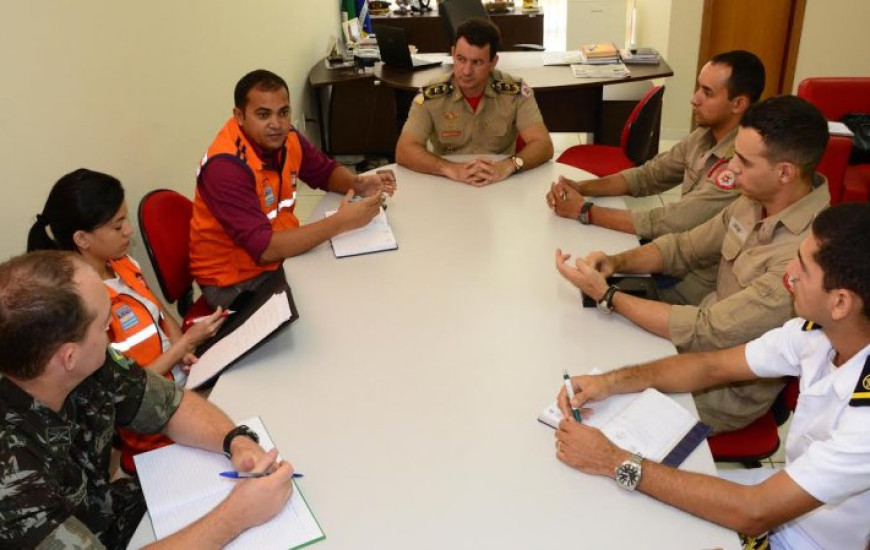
(640, 56)
(599, 54)
(649, 423)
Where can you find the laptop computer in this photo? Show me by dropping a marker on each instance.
(393, 46)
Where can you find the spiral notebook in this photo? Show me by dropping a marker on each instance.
(649, 423)
(182, 484)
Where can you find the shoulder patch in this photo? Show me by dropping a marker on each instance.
(505, 87)
(861, 395)
(437, 90)
(809, 325)
(120, 359)
(418, 99)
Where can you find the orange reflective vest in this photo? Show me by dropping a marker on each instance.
(215, 260)
(134, 333)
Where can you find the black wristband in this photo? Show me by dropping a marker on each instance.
(237, 431)
(584, 213)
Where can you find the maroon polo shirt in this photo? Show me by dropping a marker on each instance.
(229, 191)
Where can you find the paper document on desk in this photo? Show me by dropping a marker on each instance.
(613, 70)
(561, 58)
(377, 236)
(263, 322)
(182, 484)
(649, 423)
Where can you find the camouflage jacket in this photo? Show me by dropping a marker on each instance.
(54, 483)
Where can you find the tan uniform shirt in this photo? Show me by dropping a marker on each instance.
(750, 298)
(441, 115)
(696, 164)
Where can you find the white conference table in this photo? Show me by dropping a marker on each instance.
(409, 389)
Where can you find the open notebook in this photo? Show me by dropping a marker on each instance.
(377, 236)
(182, 484)
(649, 423)
(268, 310)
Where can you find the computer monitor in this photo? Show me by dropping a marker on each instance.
(454, 12)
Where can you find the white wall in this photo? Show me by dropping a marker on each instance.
(137, 90)
(834, 40)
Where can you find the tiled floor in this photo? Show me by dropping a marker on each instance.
(307, 198)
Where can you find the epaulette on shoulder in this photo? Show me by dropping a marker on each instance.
(861, 395)
(506, 87)
(434, 91)
(809, 325)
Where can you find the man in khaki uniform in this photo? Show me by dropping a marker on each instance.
(727, 85)
(778, 146)
(474, 110)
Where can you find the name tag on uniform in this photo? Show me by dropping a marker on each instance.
(268, 197)
(450, 133)
(126, 317)
(737, 228)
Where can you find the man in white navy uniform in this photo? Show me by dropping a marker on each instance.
(821, 498)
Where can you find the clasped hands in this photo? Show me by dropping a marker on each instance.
(564, 198)
(480, 171)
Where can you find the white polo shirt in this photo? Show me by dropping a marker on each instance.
(828, 444)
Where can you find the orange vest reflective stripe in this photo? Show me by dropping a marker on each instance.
(215, 259)
(133, 332)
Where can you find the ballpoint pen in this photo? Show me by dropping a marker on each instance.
(226, 313)
(570, 389)
(232, 474)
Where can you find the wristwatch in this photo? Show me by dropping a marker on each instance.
(584, 213)
(627, 474)
(237, 431)
(518, 163)
(605, 304)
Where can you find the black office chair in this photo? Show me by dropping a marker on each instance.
(455, 12)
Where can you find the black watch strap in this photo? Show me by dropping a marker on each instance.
(237, 431)
(584, 213)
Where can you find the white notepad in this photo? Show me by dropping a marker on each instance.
(649, 423)
(377, 236)
(182, 484)
(265, 320)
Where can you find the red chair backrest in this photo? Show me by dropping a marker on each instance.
(164, 219)
(837, 96)
(640, 128)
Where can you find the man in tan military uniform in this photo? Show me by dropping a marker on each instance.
(474, 110)
(778, 145)
(727, 85)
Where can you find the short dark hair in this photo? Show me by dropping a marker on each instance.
(747, 74)
(82, 200)
(844, 250)
(40, 310)
(260, 79)
(793, 130)
(479, 32)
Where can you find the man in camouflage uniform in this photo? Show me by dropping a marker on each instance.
(778, 146)
(61, 398)
(475, 110)
(727, 85)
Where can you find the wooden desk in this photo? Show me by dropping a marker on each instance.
(426, 32)
(408, 391)
(568, 104)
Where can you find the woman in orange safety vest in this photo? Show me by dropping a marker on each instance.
(86, 213)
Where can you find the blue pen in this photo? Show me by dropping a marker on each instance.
(232, 474)
(570, 389)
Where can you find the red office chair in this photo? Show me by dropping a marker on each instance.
(164, 219)
(752, 444)
(635, 145)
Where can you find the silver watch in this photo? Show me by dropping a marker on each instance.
(627, 474)
(518, 163)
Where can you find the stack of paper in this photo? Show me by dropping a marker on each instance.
(614, 70)
(641, 56)
(599, 54)
(182, 484)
